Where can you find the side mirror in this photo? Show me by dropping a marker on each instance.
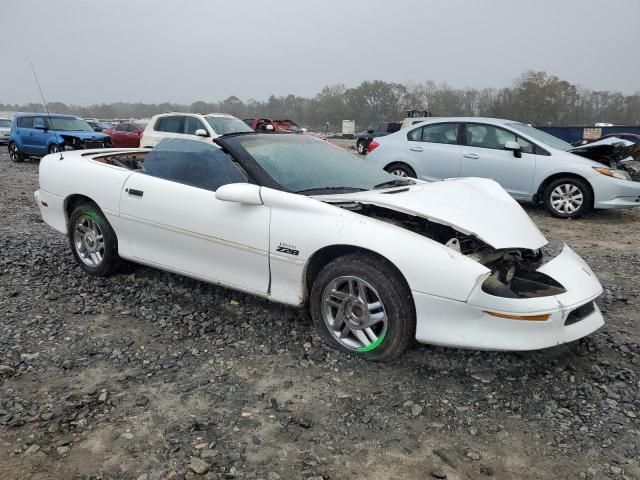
(201, 132)
(246, 193)
(269, 128)
(514, 147)
(371, 130)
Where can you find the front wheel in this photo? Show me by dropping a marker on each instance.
(362, 149)
(568, 198)
(361, 305)
(55, 148)
(93, 242)
(15, 155)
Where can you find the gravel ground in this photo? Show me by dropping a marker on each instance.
(147, 375)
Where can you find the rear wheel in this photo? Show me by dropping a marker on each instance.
(401, 170)
(361, 305)
(93, 242)
(14, 153)
(568, 197)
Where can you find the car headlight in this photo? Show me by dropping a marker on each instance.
(610, 172)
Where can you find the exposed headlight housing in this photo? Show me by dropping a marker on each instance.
(611, 172)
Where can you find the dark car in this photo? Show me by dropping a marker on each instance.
(37, 134)
(380, 130)
(98, 126)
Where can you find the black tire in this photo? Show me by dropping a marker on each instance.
(362, 148)
(394, 295)
(55, 148)
(110, 261)
(576, 190)
(15, 155)
(406, 170)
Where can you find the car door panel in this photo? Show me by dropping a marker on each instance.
(432, 158)
(483, 155)
(187, 229)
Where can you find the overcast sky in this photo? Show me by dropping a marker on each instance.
(88, 51)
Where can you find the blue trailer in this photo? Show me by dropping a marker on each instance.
(576, 134)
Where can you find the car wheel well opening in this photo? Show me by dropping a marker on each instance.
(327, 254)
(72, 202)
(539, 197)
(399, 164)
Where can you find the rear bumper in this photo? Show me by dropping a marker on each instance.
(51, 209)
(452, 323)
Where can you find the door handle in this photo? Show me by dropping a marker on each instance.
(416, 149)
(133, 191)
(470, 155)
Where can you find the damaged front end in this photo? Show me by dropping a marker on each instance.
(618, 155)
(514, 272)
(72, 142)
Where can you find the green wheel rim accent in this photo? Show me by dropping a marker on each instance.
(374, 345)
(94, 216)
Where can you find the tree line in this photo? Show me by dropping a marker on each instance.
(534, 97)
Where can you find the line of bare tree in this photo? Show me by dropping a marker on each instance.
(534, 97)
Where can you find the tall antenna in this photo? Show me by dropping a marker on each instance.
(46, 109)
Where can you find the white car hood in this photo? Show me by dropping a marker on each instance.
(475, 206)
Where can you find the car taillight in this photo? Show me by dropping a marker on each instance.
(373, 145)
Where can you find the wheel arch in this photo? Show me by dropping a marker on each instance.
(72, 201)
(327, 254)
(543, 185)
(401, 162)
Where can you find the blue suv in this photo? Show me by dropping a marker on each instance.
(37, 134)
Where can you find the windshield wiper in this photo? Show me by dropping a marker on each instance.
(326, 189)
(396, 182)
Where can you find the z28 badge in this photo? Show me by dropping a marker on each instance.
(288, 249)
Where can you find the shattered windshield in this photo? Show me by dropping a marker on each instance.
(541, 136)
(304, 164)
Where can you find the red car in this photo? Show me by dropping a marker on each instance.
(126, 134)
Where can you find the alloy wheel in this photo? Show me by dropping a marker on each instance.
(566, 198)
(398, 172)
(88, 240)
(354, 313)
(14, 152)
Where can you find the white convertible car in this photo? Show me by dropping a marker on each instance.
(379, 260)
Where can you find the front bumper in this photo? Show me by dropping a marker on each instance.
(614, 192)
(451, 323)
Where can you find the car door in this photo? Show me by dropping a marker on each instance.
(434, 151)
(24, 130)
(118, 137)
(483, 155)
(172, 219)
(40, 134)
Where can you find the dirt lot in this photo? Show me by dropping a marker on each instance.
(147, 375)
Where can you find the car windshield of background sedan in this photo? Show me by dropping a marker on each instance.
(541, 136)
(226, 125)
(5, 123)
(69, 124)
(303, 164)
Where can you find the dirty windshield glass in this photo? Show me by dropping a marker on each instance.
(70, 124)
(541, 136)
(226, 125)
(304, 164)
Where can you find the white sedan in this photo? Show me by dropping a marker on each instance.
(379, 260)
